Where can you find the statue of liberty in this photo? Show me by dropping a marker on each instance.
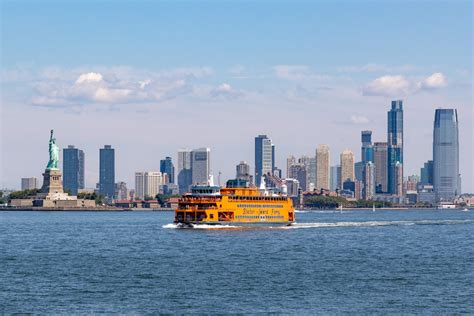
(53, 154)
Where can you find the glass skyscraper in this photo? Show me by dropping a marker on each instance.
(107, 171)
(446, 178)
(264, 157)
(395, 145)
(200, 166)
(166, 166)
(367, 152)
(184, 170)
(73, 169)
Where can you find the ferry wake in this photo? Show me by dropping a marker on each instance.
(237, 203)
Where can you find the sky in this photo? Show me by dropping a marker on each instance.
(151, 77)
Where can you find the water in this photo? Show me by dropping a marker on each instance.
(136, 263)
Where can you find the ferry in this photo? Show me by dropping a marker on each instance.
(236, 204)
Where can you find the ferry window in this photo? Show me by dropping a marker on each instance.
(212, 216)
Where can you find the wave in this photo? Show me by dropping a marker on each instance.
(200, 226)
(325, 225)
(377, 223)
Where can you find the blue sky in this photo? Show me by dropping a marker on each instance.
(152, 77)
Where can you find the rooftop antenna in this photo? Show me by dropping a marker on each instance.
(219, 178)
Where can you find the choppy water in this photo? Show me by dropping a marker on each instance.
(354, 262)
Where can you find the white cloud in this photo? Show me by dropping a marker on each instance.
(358, 119)
(112, 85)
(435, 81)
(225, 90)
(373, 67)
(291, 72)
(387, 86)
(400, 85)
(89, 77)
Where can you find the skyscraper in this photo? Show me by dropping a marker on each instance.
(381, 160)
(242, 171)
(264, 157)
(147, 184)
(446, 178)
(367, 151)
(323, 166)
(121, 191)
(73, 169)
(107, 171)
(369, 181)
(398, 179)
(395, 143)
(184, 170)
(166, 166)
(347, 166)
(426, 173)
(291, 160)
(29, 183)
(200, 165)
(335, 177)
(298, 171)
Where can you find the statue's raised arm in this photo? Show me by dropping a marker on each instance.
(53, 153)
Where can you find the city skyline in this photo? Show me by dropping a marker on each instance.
(277, 82)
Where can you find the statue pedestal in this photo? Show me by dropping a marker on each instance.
(52, 182)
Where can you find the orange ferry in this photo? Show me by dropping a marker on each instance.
(237, 203)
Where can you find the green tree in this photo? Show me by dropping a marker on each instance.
(324, 202)
(24, 194)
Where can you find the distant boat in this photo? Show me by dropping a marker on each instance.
(465, 210)
(373, 207)
(340, 208)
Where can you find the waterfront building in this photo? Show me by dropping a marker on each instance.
(359, 170)
(200, 166)
(347, 166)
(335, 177)
(184, 170)
(29, 183)
(298, 172)
(121, 192)
(411, 184)
(312, 172)
(166, 166)
(107, 171)
(264, 157)
(292, 187)
(290, 161)
(147, 184)
(368, 185)
(426, 173)
(381, 160)
(323, 167)
(446, 177)
(242, 171)
(395, 144)
(367, 150)
(73, 169)
(398, 179)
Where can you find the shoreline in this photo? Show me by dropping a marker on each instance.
(83, 209)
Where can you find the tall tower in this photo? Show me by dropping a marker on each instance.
(166, 166)
(446, 178)
(184, 170)
(107, 171)
(369, 181)
(395, 143)
(264, 157)
(347, 166)
(367, 152)
(73, 169)
(323, 167)
(242, 171)
(200, 165)
(381, 161)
